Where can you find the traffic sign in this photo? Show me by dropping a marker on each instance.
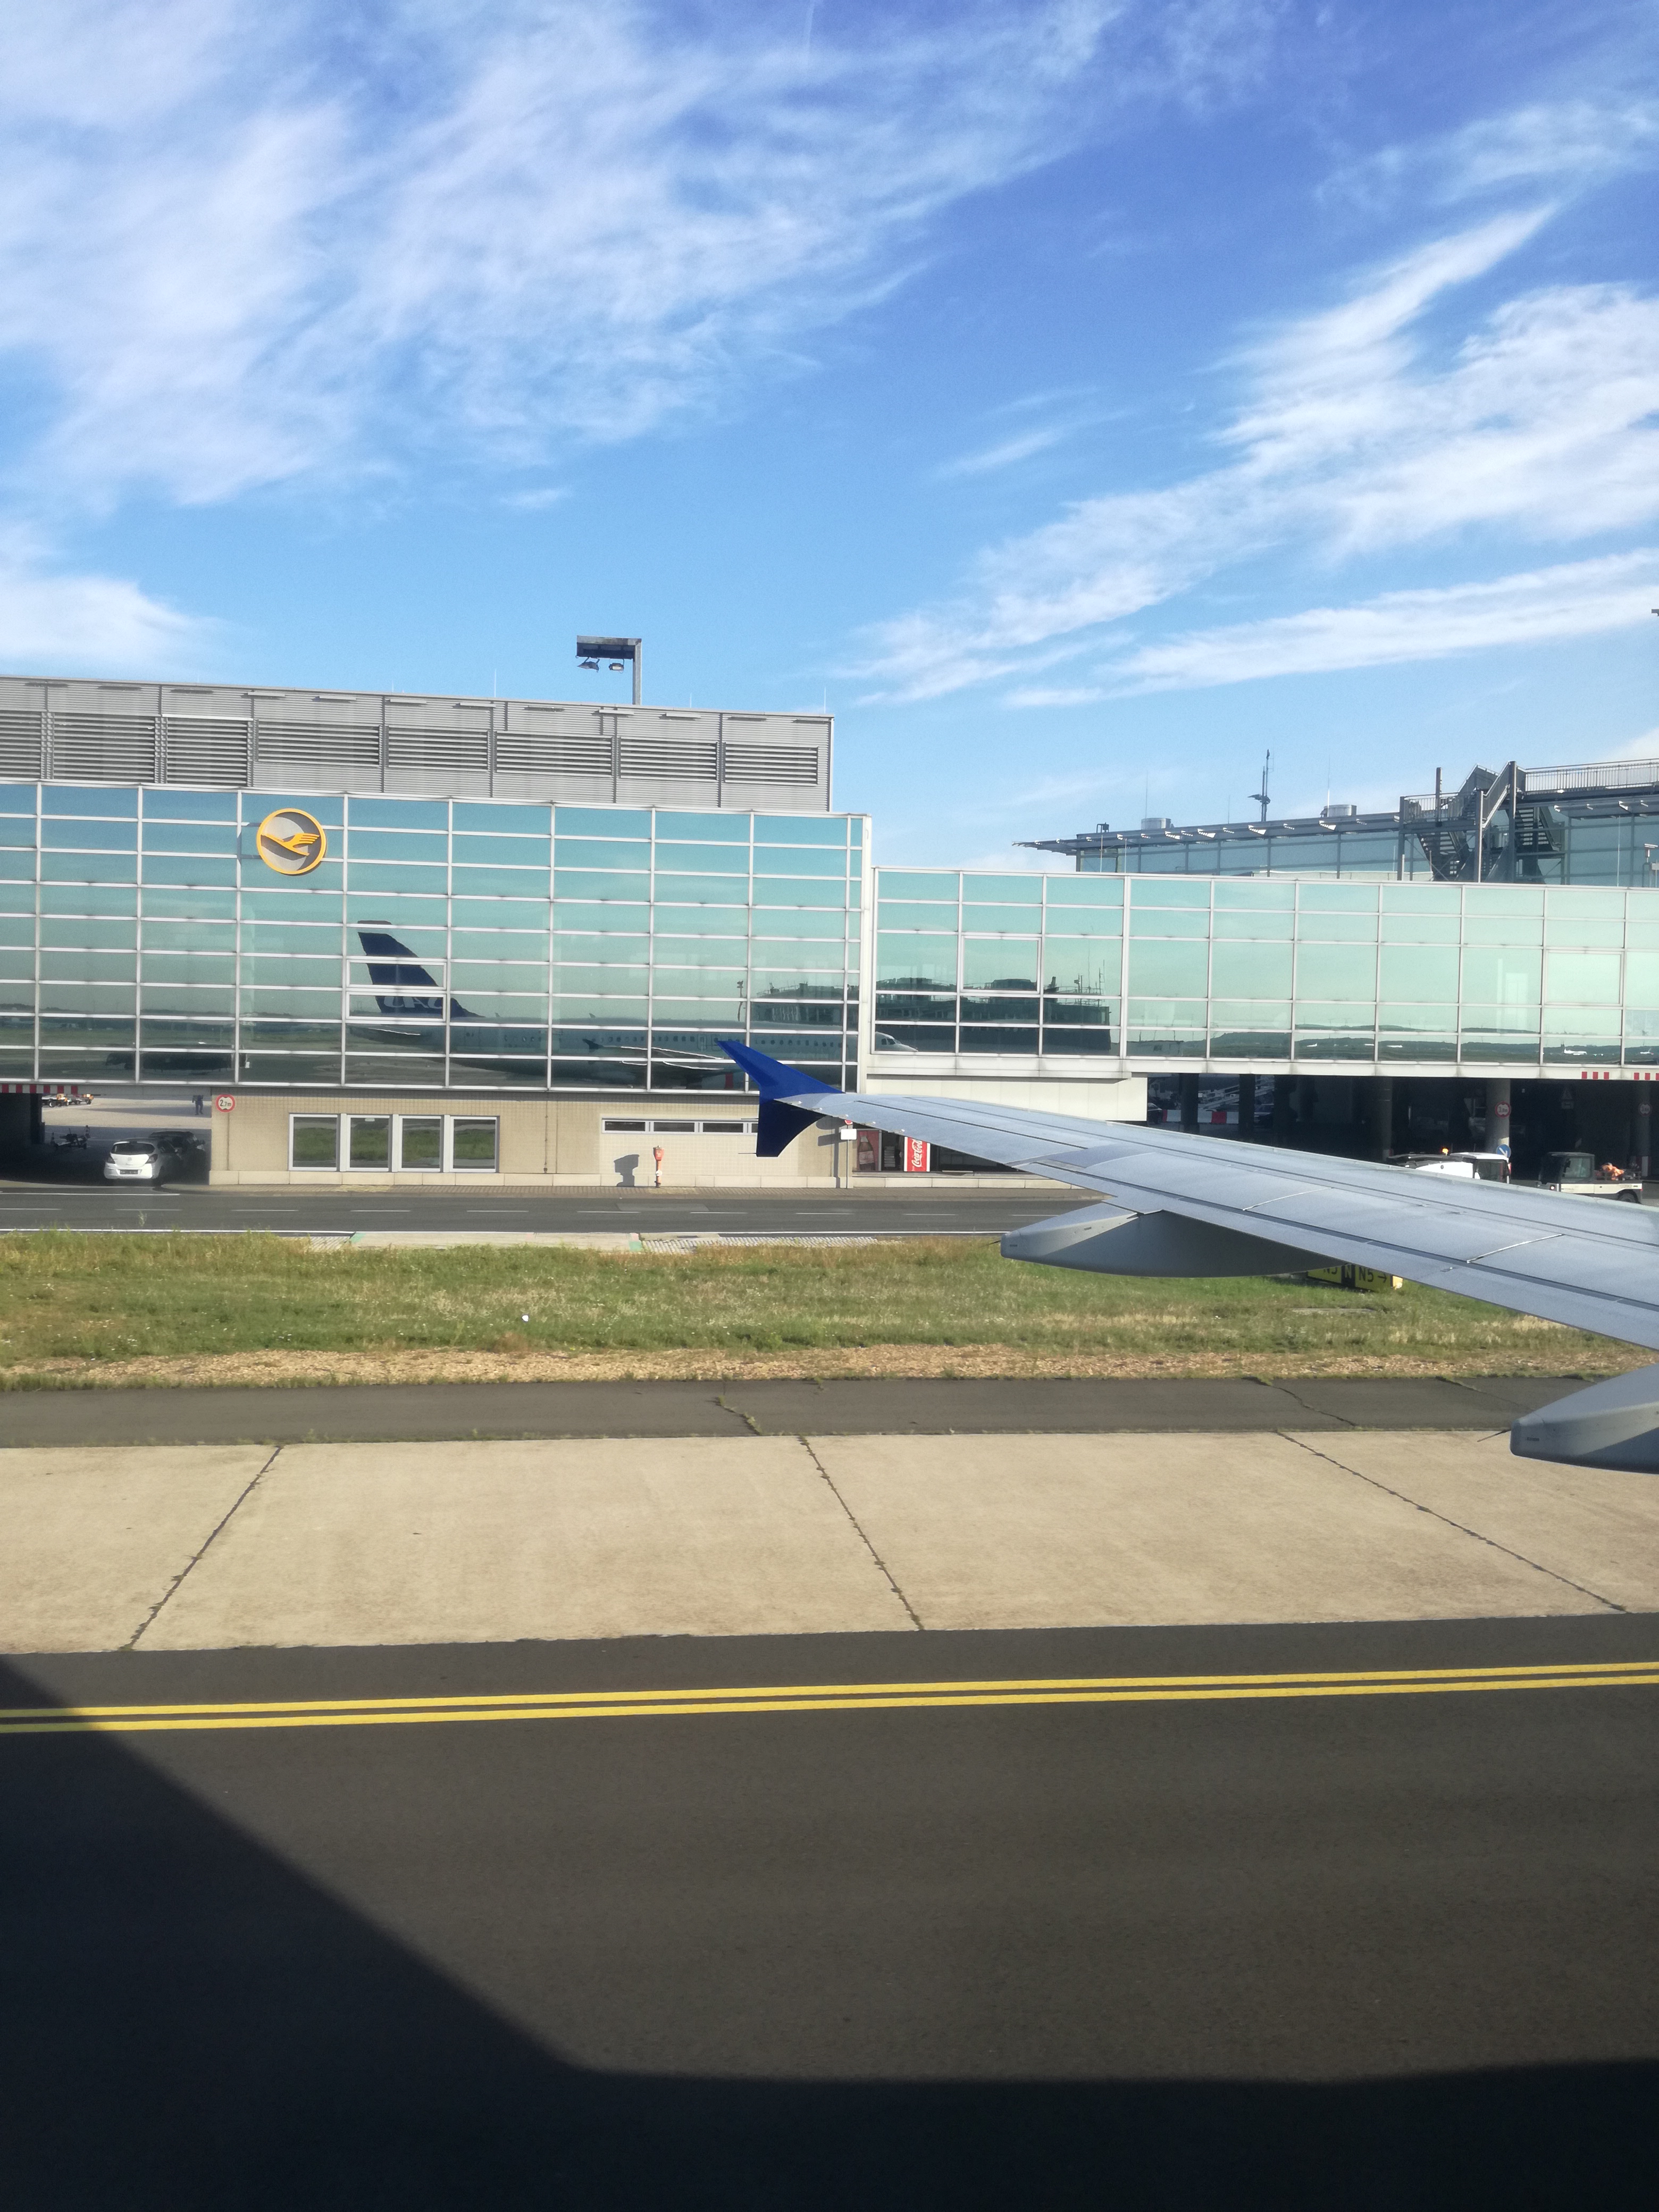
(224, 1103)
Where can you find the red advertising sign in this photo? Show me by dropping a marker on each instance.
(915, 1155)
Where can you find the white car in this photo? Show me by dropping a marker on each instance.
(1483, 1167)
(135, 1159)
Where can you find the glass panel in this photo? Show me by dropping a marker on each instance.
(602, 822)
(87, 898)
(797, 829)
(728, 829)
(502, 853)
(90, 967)
(1004, 891)
(1252, 969)
(371, 1140)
(181, 999)
(982, 1006)
(1571, 929)
(1166, 1026)
(520, 916)
(293, 1036)
(914, 1036)
(895, 915)
(86, 997)
(75, 799)
(1243, 1029)
(1588, 979)
(1413, 1033)
(1008, 964)
(1499, 1033)
(937, 884)
(290, 1069)
(392, 845)
(1169, 967)
(1580, 1033)
(189, 904)
(1146, 920)
(1002, 1040)
(1337, 1030)
(314, 1140)
(89, 867)
(474, 816)
(919, 962)
(380, 876)
(1642, 979)
(1079, 895)
(420, 1141)
(419, 814)
(377, 1071)
(1509, 976)
(1423, 914)
(590, 980)
(1418, 972)
(473, 1143)
(1081, 964)
(293, 1006)
(176, 869)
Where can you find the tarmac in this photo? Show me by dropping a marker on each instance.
(214, 1546)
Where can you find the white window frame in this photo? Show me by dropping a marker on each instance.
(447, 1163)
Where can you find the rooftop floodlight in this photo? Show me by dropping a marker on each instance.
(618, 652)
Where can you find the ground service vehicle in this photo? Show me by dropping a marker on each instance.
(1577, 1176)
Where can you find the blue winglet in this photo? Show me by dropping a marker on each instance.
(780, 1125)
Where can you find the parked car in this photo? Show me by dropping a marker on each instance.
(1575, 1175)
(137, 1159)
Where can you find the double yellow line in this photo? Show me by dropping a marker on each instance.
(830, 1696)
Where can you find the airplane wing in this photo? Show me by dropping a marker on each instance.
(1182, 1205)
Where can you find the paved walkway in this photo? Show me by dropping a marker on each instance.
(200, 1548)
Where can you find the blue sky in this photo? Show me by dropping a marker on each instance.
(1081, 396)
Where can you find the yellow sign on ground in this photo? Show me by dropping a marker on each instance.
(1350, 1277)
(290, 841)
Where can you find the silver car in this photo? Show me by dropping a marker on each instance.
(135, 1159)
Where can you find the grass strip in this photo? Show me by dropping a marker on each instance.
(77, 1310)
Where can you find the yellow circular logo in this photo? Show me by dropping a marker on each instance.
(290, 842)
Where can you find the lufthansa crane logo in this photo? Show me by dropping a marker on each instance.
(290, 842)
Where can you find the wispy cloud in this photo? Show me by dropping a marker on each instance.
(1582, 599)
(52, 618)
(239, 244)
(1562, 145)
(1354, 436)
(1007, 454)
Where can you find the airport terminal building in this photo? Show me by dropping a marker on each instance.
(458, 937)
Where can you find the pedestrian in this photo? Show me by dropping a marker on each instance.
(199, 1104)
(656, 1154)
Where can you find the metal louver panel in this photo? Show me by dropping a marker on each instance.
(103, 748)
(21, 749)
(788, 765)
(585, 754)
(668, 762)
(206, 749)
(453, 751)
(318, 744)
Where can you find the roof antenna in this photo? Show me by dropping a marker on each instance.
(1260, 797)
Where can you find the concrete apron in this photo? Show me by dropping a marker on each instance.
(208, 1547)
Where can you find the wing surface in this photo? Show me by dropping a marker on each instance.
(1592, 1265)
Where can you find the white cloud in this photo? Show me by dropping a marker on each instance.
(52, 619)
(1583, 598)
(1353, 436)
(1564, 144)
(240, 243)
(1006, 455)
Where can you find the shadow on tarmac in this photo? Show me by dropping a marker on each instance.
(190, 2023)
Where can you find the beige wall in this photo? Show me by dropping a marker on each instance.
(543, 1140)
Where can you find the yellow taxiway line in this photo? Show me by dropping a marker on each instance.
(831, 1696)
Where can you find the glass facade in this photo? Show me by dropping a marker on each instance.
(1272, 971)
(1604, 848)
(436, 944)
